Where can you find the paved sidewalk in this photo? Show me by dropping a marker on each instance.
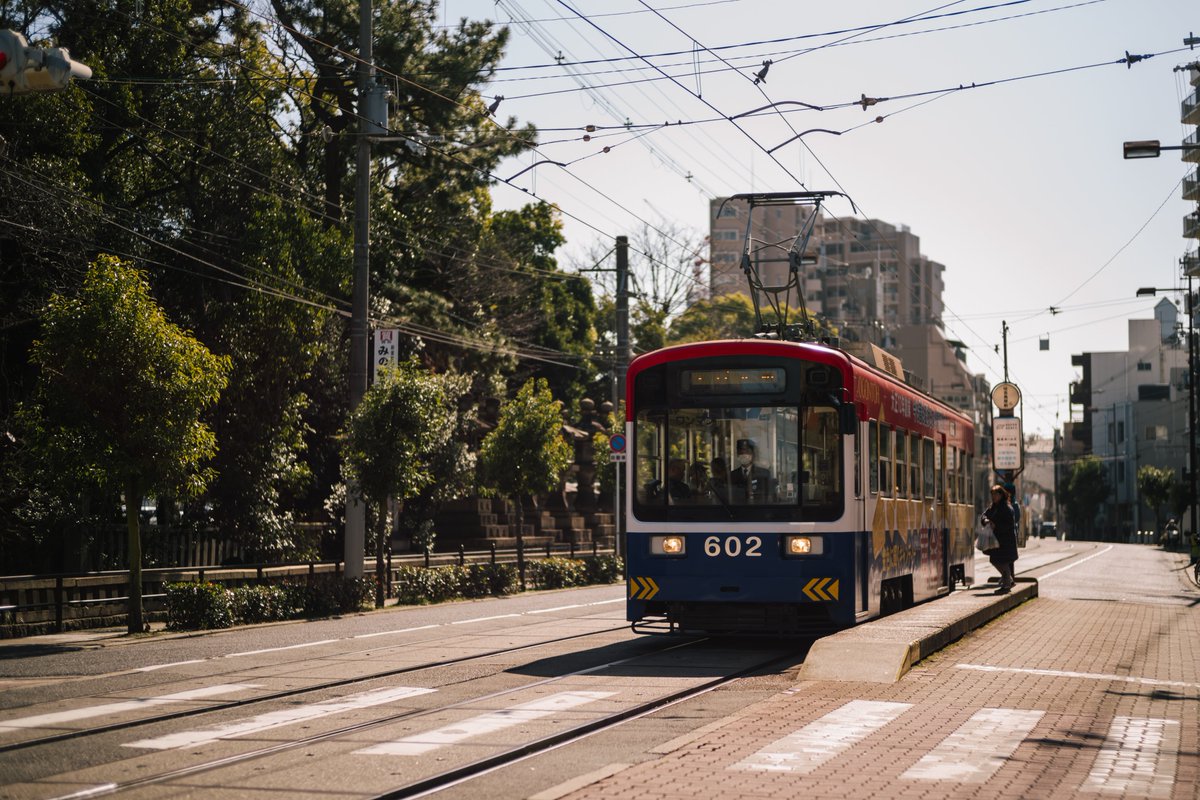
(1090, 690)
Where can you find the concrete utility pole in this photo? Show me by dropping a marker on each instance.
(356, 513)
(624, 349)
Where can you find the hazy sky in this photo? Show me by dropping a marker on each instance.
(1018, 188)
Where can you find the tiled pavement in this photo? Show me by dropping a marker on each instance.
(1091, 690)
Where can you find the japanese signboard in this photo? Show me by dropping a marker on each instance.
(1006, 443)
(384, 350)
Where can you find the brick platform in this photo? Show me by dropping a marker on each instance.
(1091, 690)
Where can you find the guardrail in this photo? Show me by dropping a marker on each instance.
(91, 599)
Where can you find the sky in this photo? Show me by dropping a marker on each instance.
(1000, 143)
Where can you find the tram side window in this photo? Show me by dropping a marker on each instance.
(952, 474)
(821, 466)
(901, 464)
(930, 471)
(939, 483)
(914, 465)
(969, 497)
(858, 466)
(963, 496)
(873, 455)
(885, 460)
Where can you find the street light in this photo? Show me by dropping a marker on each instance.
(1149, 291)
(1150, 148)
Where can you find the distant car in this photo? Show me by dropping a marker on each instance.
(1048, 530)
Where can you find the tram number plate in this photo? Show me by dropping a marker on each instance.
(733, 546)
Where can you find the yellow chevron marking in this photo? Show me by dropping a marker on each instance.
(642, 588)
(821, 589)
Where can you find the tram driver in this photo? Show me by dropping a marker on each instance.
(748, 482)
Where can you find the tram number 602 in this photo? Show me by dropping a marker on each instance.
(733, 546)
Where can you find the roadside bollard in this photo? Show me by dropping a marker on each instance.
(493, 552)
(462, 555)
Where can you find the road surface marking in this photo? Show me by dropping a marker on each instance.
(1075, 564)
(483, 619)
(392, 633)
(104, 788)
(819, 741)
(978, 748)
(76, 714)
(276, 719)
(154, 667)
(278, 649)
(1095, 676)
(1137, 759)
(491, 722)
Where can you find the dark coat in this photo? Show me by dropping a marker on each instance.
(758, 487)
(1004, 525)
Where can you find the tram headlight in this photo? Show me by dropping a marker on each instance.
(673, 545)
(802, 546)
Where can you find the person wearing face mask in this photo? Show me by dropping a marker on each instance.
(748, 481)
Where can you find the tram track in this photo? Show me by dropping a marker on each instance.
(290, 693)
(463, 773)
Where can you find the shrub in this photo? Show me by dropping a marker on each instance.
(490, 579)
(433, 585)
(253, 604)
(604, 569)
(558, 573)
(328, 596)
(198, 606)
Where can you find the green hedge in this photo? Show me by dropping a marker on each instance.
(437, 584)
(203, 606)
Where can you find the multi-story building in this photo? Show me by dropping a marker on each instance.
(1135, 410)
(868, 277)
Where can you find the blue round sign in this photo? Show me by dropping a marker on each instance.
(617, 443)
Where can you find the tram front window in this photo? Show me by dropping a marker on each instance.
(711, 463)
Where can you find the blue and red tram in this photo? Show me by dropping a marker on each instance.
(790, 488)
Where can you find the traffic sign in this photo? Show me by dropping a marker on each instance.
(616, 444)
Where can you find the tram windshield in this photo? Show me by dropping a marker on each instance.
(725, 461)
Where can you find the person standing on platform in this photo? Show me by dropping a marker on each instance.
(1003, 521)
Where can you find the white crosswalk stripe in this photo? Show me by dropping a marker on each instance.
(1138, 758)
(978, 748)
(276, 719)
(822, 739)
(491, 722)
(109, 709)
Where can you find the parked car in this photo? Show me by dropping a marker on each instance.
(1049, 529)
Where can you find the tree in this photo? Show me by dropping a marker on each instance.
(1154, 485)
(121, 395)
(525, 455)
(404, 424)
(728, 316)
(1087, 487)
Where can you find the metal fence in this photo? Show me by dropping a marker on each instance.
(51, 603)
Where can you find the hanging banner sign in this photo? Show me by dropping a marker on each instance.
(385, 350)
(1006, 443)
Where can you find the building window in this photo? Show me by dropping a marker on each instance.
(728, 210)
(1143, 366)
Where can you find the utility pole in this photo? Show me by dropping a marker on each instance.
(356, 512)
(624, 350)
